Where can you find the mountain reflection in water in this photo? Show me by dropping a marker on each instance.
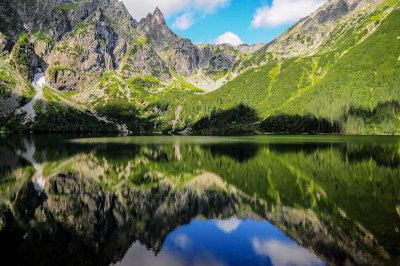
(224, 242)
(260, 200)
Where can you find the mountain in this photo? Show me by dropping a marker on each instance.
(333, 71)
(345, 82)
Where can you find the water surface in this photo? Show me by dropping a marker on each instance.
(253, 200)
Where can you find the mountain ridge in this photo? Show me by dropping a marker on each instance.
(99, 60)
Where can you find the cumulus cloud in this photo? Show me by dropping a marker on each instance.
(228, 226)
(229, 37)
(282, 253)
(183, 22)
(284, 12)
(181, 241)
(140, 8)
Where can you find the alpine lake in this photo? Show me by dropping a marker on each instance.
(177, 200)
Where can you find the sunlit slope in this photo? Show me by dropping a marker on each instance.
(362, 89)
(354, 86)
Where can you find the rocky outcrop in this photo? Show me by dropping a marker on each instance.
(142, 60)
(157, 30)
(10, 26)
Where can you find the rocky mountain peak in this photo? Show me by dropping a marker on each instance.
(158, 16)
(157, 30)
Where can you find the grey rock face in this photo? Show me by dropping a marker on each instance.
(142, 60)
(89, 49)
(335, 11)
(4, 44)
(157, 30)
(185, 58)
(77, 42)
(10, 25)
(222, 59)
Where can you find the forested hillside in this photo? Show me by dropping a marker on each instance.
(352, 88)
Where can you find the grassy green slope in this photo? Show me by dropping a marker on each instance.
(355, 86)
(361, 81)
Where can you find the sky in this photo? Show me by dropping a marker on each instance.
(227, 21)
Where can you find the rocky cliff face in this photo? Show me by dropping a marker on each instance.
(157, 30)
(181, 54)
(72, 39)
(77, 42)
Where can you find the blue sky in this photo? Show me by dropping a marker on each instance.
(233, 21)
(236, 18)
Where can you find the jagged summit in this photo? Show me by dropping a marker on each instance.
(157, 30)
(158, 15)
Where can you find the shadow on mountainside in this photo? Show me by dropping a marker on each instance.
(239, 119)
(382, 119)
(383, 155)
(298, 124)
(127, 114)
(241, 152)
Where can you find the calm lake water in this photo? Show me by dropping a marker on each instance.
(253, 200)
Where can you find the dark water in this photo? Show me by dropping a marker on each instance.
(260, 200)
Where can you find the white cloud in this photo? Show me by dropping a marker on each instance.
(183, 22)
(140, 8)
(228, 37)
(284, 12)
(181, 241)
(228, 226)
(282, 253)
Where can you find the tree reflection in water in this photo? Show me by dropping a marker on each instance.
(220, 200)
